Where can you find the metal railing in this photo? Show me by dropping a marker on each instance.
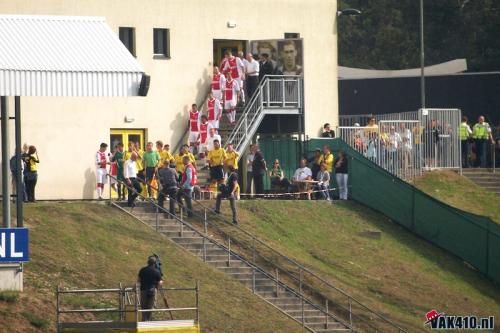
(274, 92)
(407, 143)
(126, 302)
(288, 274)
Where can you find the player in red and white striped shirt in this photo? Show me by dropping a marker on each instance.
(101, 163)
(194, 127)
(204, 128)
(214, 111)
(236, 67)
(218, 82)
(231, 96)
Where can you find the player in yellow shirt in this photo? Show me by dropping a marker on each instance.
(216, 158)
(164, 154)
(327, 157)
(232, 158)
(179, 165)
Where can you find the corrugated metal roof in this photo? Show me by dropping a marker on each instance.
(64, 56)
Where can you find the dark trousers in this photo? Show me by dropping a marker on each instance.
(480, 152)
(465, 153)
(187, 195)
(258, 180)
(132, 195)
(147, 303)
(232, 202)
(171, 193)
(249, 182)
(30, 181)
(150, 172)
(252, 83)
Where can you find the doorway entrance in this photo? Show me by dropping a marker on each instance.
(125, 136)
(221, 45)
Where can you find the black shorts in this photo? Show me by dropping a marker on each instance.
(217, 173)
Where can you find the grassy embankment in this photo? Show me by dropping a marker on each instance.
(91, 245)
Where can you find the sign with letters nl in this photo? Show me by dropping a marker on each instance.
(14, 245)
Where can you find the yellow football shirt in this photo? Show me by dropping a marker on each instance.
(328, 159)
(216, 157)
(232, 159)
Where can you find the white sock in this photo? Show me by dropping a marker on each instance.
(99, 192)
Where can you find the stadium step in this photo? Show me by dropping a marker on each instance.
(252, 277)
(486, 178)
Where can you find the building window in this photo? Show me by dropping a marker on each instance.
(292, 35)
(127, 36)
(161, 42)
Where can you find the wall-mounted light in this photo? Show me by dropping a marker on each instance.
(129, 119)
(231, 24)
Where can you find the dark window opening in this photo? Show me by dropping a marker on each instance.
(292, 35)
(161, 42)
(127, 36)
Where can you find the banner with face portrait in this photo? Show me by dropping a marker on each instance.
(286, 55)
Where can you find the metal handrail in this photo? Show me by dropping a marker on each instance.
(122, 309)
(251, 263)
(298, 266)
(246, 124)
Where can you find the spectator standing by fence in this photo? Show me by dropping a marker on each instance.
(252, 74)
(249, 159)
(259, 168)
(327, 158)
(188, 181)
(151, 159)
(465, 135)
(341, 172)
(481, 134)
(327, 131)
(228, 191)
(130, 174)
(31, 176)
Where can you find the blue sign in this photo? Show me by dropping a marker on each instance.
(14, 245)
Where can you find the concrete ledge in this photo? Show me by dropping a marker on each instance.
(11, 277)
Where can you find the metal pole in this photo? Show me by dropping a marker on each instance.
(422, 55)
(5, 162)
(57, 306)
(197, 303)
(326, 314)
(277, 283)
(301, 296)
(350, 310)
(19, 174)
(228, 251)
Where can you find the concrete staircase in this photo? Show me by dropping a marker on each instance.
(485, 178)
(274, 291)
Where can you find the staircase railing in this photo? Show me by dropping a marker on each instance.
(225, 243)
(336, 303)
(273, 93)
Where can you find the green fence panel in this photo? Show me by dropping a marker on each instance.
(452, 230)
(287, 151)
(494, 251)
(475, 239)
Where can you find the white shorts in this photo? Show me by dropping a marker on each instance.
(217, 94)
(193, 136)
(230, 104)
(213, 124)
(100, 175)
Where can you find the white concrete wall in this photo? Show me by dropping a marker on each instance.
(67, 131)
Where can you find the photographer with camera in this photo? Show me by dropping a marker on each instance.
(228, 191)
(150, 279)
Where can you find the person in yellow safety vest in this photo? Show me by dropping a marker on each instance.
(481, 132)
(465, 135)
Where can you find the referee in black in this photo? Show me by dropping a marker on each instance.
(150, 280)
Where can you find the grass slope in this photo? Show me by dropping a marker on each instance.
(399, 274)
(91, 245)
(460, 192)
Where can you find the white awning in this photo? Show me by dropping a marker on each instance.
(64, 56)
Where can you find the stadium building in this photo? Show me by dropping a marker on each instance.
(177, 43)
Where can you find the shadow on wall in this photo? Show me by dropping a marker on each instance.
(180, 123)
(89, 185)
